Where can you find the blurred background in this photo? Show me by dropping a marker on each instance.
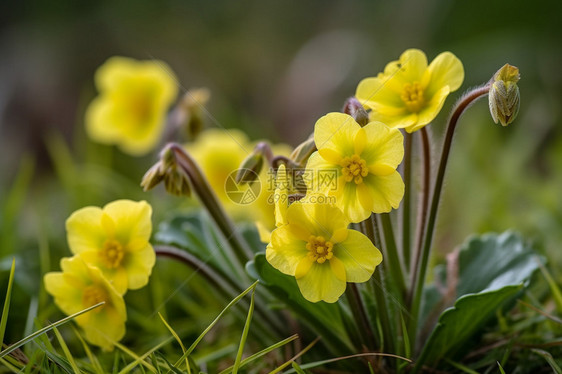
(274, 68)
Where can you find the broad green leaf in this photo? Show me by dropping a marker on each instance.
(324, 318)
(493, 269)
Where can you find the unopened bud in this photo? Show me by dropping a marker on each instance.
(354, 108)
(504, 95)
(176, 180)
(303, 151)
(152, 177)
(193, 103)
(250, 168)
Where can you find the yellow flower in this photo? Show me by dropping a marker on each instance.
(357, 165)
(115, 239)
(130, 110)
(280, 201)
(316, 247)
(220, 153)
(410, 94)
(80, 286)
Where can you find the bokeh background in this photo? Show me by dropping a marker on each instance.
(274, 68)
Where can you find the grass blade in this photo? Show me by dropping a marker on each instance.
(29, 338)
(66, 351)
(93, 359)
(319, 363)
(244, 334)
(177, 339)
(141, 359)
(283, 366)
(261, 353)
(233, 302)
(548, 357)
(6, 309)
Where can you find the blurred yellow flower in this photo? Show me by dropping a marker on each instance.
(80, 286)
(410, 94)
(361, 165)
(116, 240)
(130, 110)
(220, 153)
(316, 247)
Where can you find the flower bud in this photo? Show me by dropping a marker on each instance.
(354, 108)
(303, 151)
(250, 168)
(176, 180)
(193, 102)
(504, 95)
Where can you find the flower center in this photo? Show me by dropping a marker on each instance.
(319, 249)
(354, 168)
(112, 254)
(412, 96)
(93, 295)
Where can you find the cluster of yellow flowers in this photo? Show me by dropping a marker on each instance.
(112, 254)
(312, 241)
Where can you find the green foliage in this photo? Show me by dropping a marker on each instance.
(493, 269)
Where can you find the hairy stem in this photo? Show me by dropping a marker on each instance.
(422, 218)
(209, 199)
(406, 201)
(458, 110)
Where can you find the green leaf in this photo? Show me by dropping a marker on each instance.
(324, 318)
(197, 235)
(493, 261)
(6, 308)
(493, 269)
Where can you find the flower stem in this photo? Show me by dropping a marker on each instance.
(406, 201)
(391, 252)
(421, 267)
(372, 232)
(209, 199)
(422, 219)
(359, 313)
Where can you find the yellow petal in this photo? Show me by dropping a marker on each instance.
(96, 121)
(336, 131)
(317, 219)
(359, 256)
(330, 155)
(413, 64)
(364, 196)
(108, 225)
(281, 196)
(285, 251)
(320, 283)
(109, 75)
(339, 235)
(84, 231)
(263, 232)
(303, 267)
(349, 203)
(381, 169)
(385, 145)
(139, 267)
(338, 268)
(386, 191)
(360, 141)
(431, 110)
(445, 70)
(322, 174)
(132, 219)
(381, 94)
